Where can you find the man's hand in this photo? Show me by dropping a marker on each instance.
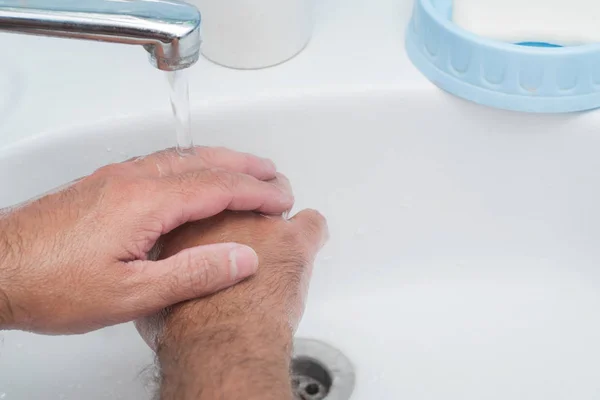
(236, 344)
(76, 260)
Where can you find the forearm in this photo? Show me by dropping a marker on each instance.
(244, 361)
(7, 263)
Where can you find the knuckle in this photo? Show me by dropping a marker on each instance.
(313, 228)
(203, 273)
(283, 184)
(165, 153)
(247, 161)
(315, 222)
(181, 186)
(218, 151)
(213, 178)
(164, 160)
(133, 159)
(211, 155)
(283, 180)
(222, 179)
(121, 188)
(112, 170)
(120, 184)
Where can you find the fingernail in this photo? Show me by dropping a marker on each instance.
(269, 164)
(243, 262)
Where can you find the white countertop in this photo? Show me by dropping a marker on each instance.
(57, 83)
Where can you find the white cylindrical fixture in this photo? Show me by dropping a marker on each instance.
(251, 34)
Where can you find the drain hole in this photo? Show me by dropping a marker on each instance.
(310, 380)
(312, 389)
(320, 372)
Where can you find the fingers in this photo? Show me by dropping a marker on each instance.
(169, 162)
(313, 227)
(192, 273)
(198, 195)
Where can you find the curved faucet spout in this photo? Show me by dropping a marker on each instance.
(169, 30)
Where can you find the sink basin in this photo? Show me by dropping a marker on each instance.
(464, 256)
(12, 87)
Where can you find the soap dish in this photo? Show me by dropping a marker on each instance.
(528, 77)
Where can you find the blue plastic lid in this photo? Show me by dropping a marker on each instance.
(527, 77)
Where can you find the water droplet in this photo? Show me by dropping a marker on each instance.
(2, 395)
(19, 345)
(108, 149)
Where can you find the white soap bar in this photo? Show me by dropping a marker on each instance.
(560, 22)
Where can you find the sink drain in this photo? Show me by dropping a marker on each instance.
(310, 380)
(320, 372)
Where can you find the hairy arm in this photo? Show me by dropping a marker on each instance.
(234, 360)
(237, 343)
(8, 261)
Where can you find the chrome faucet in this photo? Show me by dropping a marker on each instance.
(168, 29)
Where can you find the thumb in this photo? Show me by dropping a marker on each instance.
(195, 272)
(313, 226)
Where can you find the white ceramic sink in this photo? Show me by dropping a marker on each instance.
(464, 256)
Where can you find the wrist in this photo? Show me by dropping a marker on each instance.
(263, 334)
(245, 359)
(192, 318)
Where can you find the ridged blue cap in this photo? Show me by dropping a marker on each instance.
(499, 74)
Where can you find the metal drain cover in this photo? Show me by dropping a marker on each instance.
(320, 372)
